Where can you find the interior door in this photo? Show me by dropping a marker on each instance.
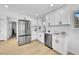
(9, 29)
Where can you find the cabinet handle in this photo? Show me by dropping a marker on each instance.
(57, 41)
(60, 22)
(40, 35)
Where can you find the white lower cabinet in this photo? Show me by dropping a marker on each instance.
(34, 35)
(60, 44)
(40, 37)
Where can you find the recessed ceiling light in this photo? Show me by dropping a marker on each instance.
(51, 4)
(6, 6)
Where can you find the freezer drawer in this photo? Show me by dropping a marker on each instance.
(27, 39)
(21, 40)
(24, 40)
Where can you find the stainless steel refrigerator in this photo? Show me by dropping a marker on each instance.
(24, 32)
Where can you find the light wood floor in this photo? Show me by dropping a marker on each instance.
(10, 47)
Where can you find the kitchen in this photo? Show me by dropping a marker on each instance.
(54, 28)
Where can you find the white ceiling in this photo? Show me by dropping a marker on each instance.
(31, 9)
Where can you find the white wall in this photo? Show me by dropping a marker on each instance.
(3, 31)
(74, 33)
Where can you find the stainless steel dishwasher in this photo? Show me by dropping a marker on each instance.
(48, 40)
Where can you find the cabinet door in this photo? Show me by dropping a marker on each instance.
(47, 20)
(65, 18)
(62, 16)
(57, 19)
(34, 22)
(39, 22)
(55, 43)
(40, 37)
(52, 18)
(34, 33)
(59, 44)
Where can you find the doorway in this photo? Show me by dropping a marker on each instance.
(13, 34)
(12, 26)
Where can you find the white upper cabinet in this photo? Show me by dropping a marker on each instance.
(47, 19)
(34, 22)
(39, 22)
(58, 17)
(52, 19)
(61, 16)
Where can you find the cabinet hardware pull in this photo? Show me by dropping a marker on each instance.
(57, 41)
